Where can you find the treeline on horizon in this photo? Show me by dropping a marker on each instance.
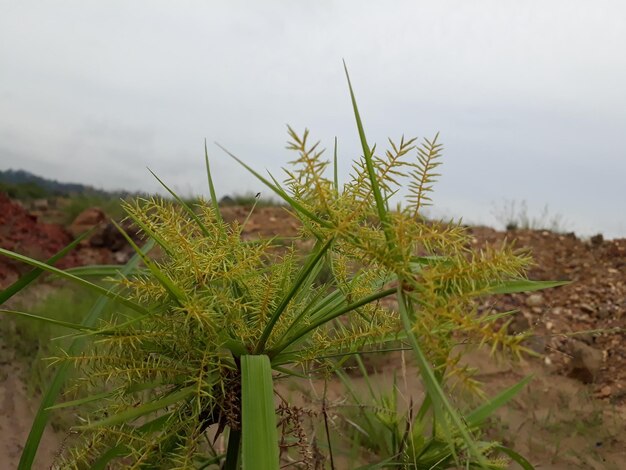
(23, 185)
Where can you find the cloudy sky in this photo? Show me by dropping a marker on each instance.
(529, 96)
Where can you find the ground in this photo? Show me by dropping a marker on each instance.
(573, 415)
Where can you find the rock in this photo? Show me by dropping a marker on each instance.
(587, 308)
(40, 204)
(604, 392)
(596, 240)
(86, 220)
(536, 343)
(121, 257)
(110, 237)
(520, 324)
(603, 313)
(586, 362)
(534, 300)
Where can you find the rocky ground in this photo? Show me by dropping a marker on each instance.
(578, 328)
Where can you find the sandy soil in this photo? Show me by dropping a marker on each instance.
(17, 410)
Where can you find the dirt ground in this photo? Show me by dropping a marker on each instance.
(573, 414)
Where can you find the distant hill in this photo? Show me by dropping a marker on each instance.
(21, 184)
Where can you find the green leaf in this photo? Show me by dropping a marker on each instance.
(310, 264)
(51, 269)
(185, 206)
(524, 285)
(480, 414)
(135, 412)
(279, 191)
(325, 319)
(81, 401)
(100, 270)
(367, 155)
(441, 404)
(175, 292)
(258, 416)
(52, 392)
(216, 206)
(29, 277)
(113, 453)
(72, 326)
(525, 464)
(335, 170)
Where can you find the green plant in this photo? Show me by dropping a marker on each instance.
(215, 314)
(405, 435)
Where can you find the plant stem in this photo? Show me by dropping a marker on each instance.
(232, 452)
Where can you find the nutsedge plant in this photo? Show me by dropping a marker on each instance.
(215, 317)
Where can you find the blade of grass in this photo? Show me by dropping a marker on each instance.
(175, 292)
(232, 451)
(311, 262)
(335, 169)
(185, 206)
(517, 458)
(113, 453)
(304, 331)
(51, 269)
(367, 155)
(480, 414)
(53, 390)
(99, 270)
(135, 412)
(72, 326)
(279, 191)
(81, 401)
(29, 277)
(433, 387)
(524, 285)
(258, 415)
(214, 202)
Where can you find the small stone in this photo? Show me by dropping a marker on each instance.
(557, 311)
(520, 324)
(536, 343)
(603, 313)
(121, 257)
(86, 220)
(587, 308)
(585, 363)
(604, 392)
(596, 240)
(534, 300)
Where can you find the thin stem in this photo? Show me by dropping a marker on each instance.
(324, 412)
(232, 452)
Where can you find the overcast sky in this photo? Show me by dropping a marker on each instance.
(529, 96)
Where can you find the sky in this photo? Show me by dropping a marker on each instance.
(529, 96)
